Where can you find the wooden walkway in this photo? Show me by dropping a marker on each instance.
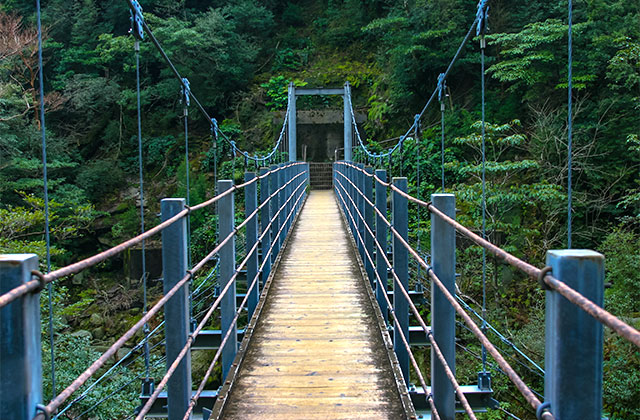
(317, 350)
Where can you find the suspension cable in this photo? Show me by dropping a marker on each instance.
(483, 44)
(47, 231)
(569, 122)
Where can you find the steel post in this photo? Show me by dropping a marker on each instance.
(292, 123)
(227, 270)
(20, 347)
(368, 217)
(348, 128)
(265, 215)
(282, 207)
(573, 338)
(443, 262)
(401, 267)
(359, 198)
(250, 205)
(275, 204)
(381, 238)
(176, 310)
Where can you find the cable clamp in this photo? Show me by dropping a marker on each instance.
(441, 86)
(543, 408)
(137, 20)
(543, 273)
(41, 280)
(41, 409)
(186, 91)
(481, 15)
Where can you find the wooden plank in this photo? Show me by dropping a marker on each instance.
(316, 350)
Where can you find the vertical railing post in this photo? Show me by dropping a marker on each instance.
(368, 217)
(359, 198)
(401, 268)
(381, 238)
(275, 204)
(265, 215)
(443, 263)
(227, 270)
(250, 205)
(282, 199)
(176, 310)
(290, 189)
(20, 347)
(351, 193)
(573, 338)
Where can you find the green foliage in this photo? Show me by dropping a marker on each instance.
(276, 90)
(620, 249)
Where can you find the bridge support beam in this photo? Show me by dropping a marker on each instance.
(443, 262)
(20, 347)
(401, 268)
(348, 127)
(573, 343)
(381, 238)
(227, 269)
(265, 216)
(292, 123)
(176, 310)
(368, 217)
(250, 205)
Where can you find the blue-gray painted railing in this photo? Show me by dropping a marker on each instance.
(176, 310)
(573, 348)
(20, 348)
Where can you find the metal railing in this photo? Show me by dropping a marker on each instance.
(574, 314)
(282, 192)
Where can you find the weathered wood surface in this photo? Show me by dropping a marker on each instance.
(316, 351)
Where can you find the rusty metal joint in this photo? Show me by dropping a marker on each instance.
(42, 412)
(541, 275)
(41, 280)
(542, 409)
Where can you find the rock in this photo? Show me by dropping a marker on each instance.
(95, 319)
(98, 333)
(78, 279)
(122, 352)
(82, 333)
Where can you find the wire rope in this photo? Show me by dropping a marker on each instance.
(47, 230)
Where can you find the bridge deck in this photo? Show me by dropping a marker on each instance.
(317, 351)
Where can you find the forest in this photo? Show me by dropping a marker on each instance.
(239, 57)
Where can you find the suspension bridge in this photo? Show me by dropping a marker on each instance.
(332, 287)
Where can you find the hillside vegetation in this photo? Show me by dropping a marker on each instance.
(239, 56)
